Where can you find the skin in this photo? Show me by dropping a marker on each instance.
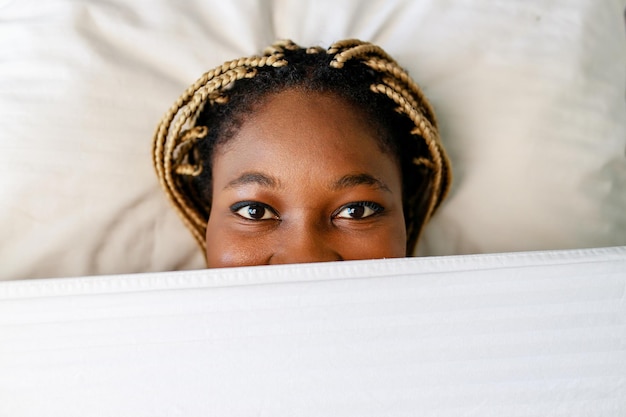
(304, 180)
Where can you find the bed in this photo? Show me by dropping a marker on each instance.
(102, 290)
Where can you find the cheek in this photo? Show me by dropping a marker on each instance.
(227, 249)
(399, 246)
(387, 243)
(393, 240)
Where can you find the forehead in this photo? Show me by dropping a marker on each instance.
(303, 131)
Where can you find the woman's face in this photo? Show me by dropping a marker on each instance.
(304, 180)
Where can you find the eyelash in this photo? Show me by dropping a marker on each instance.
(235, 208)
(374, 207)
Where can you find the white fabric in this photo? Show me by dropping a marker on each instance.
(529, 94)
(523, 334)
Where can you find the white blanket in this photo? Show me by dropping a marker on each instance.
(524, 334)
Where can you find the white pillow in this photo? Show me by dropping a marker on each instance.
(529, 95)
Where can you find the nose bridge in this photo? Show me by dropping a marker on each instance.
(305, 242)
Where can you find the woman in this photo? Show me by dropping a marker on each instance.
(303, 155)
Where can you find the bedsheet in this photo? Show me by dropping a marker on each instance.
(515, 334)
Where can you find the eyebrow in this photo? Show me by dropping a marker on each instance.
(257, 178)
(354, 180)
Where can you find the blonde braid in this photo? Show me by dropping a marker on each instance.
(404, 84)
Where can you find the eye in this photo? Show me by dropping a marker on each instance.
(254, 211)
(359, 210)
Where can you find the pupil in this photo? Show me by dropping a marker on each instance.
(356, 212)
(256, 212)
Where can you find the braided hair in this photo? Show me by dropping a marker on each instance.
(211, 111)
